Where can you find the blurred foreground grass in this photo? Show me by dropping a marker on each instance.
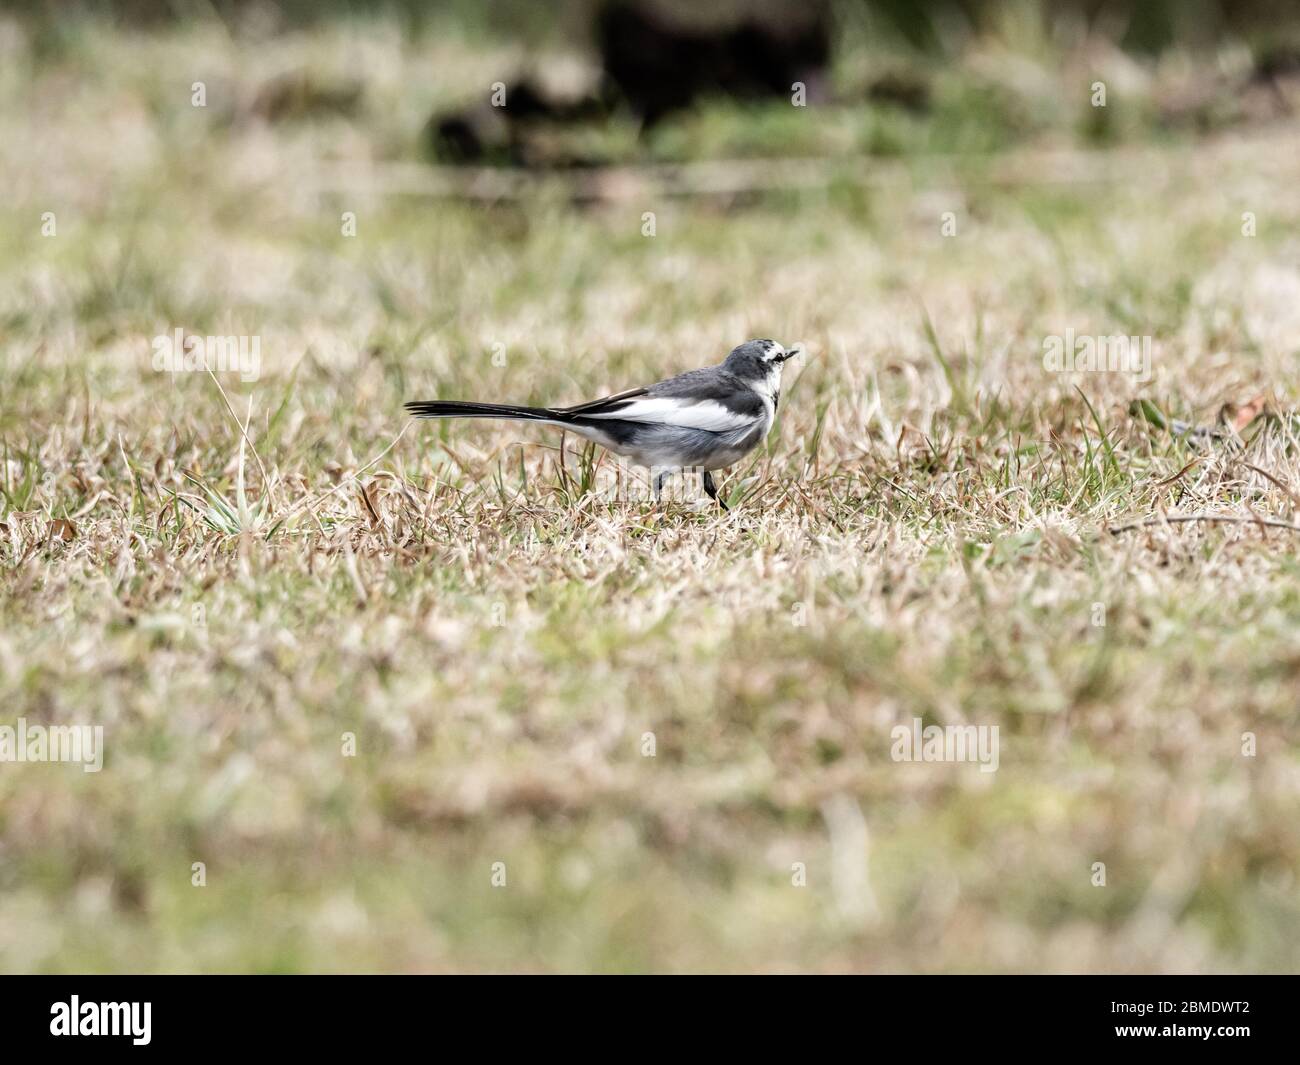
(924, 537)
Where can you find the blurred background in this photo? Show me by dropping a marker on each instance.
(596, 82)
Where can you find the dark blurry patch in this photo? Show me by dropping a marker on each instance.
(653, 62)
(659, 65)
(520, 133)
(1268, 92)
(1275, 81)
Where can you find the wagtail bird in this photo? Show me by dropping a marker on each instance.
(703, 419)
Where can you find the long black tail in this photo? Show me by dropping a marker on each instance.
(451, 408)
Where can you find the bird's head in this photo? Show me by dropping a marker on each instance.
(758, 360)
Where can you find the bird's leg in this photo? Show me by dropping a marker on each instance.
(660, 477)
(711, 490)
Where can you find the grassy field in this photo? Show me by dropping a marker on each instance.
(933, 531)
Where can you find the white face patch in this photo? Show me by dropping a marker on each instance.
(769, 387)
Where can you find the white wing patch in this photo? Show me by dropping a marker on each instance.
(683, 413)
